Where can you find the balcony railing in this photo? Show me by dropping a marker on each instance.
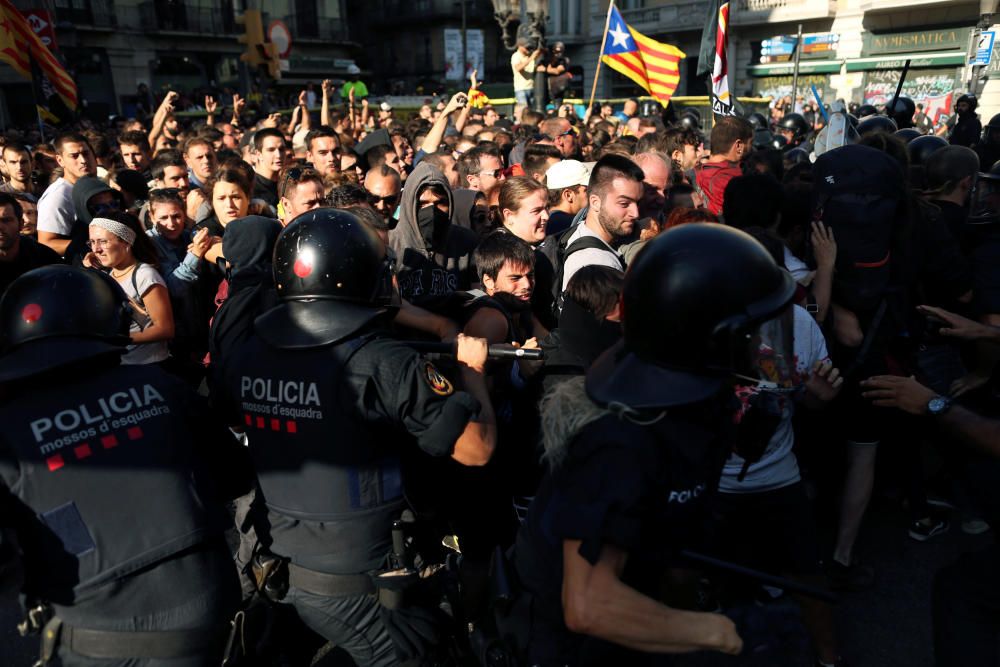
(161, 15)
(675, 16)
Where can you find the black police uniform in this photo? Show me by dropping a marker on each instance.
(635, 448)
(642, 489)
(107, 484)
(329, 406)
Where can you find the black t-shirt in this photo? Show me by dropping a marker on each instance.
(642, 489)
(265, 189)
(559, 221)
(31, 255)
(212, 224)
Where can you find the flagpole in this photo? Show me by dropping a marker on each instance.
(600, 55)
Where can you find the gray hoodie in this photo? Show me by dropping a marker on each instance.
(432, 262)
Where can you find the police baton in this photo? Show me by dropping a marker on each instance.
(762, 577)
(501, 351)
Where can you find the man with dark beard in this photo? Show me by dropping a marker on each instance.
(613, 194)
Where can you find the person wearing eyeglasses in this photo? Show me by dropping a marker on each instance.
(384, 187)
(119, 245)
(300, 190)
(91, 198)
(482, 170)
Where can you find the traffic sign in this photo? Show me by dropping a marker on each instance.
(984, 48)
(279, 35)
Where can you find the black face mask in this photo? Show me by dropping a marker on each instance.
(433, 224)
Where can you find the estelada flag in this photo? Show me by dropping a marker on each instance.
(651, 64)
(713, 58)
(19, 45)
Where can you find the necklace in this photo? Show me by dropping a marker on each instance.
(122, 274)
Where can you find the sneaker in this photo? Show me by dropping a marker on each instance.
(924, 529)
(974, 526)
(853, 577)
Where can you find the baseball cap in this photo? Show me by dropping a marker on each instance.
(567, 174)
(385, 106)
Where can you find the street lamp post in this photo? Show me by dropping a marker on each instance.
(508, 15)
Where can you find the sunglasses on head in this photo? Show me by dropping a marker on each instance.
(495, 173)
(293, 175)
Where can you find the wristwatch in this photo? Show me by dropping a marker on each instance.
(938, 405)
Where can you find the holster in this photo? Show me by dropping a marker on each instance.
(270, 573)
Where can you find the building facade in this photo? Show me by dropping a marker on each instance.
(853, 50)
(113, 46)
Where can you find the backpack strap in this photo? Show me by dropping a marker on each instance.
(594, 243)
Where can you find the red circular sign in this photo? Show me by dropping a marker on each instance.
(279, 35)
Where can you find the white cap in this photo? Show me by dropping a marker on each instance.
(353, 69)
(385, 106)
(567, 174)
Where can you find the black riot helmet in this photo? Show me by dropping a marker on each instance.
(984, 202)
(991, 131)
(762, 140)
(902, 112)
(908, 134)
(333, 276)
(797, 125)
(921, 148)
(690, 119)
(758, 121)
(695, 304)
(58, 315)
(866, 110)
(873, 124)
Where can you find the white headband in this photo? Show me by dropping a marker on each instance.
(118, 229)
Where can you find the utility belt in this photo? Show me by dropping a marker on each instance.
(275, 574)
(115, 644)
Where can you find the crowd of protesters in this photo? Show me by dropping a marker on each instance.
(520, 231)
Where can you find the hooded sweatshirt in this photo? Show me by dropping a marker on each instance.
(247, 247)
(84, 190)
(434, 257)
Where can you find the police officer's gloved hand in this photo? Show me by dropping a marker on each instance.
(414, 630)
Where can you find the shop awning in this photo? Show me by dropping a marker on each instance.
(805, 67)
(897, 60)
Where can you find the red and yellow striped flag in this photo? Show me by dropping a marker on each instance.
(651, 64)
(19, 45)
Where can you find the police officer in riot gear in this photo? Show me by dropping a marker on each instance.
(873, 124)
(635, 448)
(794, 128)
(113, 479)
(330, 404)
(902, 112)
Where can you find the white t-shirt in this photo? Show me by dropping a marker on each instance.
(145, 278)
(56, 213)
(588, 256)
(796, 266)
(521, 80)
(778, 468)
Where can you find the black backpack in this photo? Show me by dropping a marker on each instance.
(556, 249)
(860, 194)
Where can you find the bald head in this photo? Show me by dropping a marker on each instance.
(656, 169)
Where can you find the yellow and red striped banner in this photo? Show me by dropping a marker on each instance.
(19, 45)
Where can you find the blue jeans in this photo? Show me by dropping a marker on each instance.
(525, 97)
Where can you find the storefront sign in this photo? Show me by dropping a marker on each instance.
(780, 86)
(919, 40)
